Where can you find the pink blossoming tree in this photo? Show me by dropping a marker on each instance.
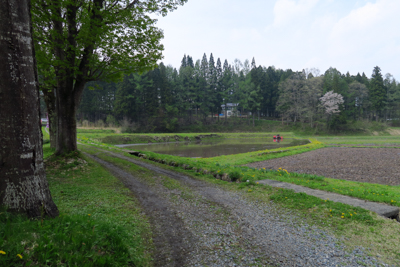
(331, 102)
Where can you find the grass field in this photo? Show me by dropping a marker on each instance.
(101, 224)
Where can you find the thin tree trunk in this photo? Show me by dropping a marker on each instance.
(253, 120)
(23, 184)
(50, 100)
(226, 112)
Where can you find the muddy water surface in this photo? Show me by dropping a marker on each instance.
(214, 148)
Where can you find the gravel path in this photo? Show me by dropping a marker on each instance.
(372, 165)
(200, 224)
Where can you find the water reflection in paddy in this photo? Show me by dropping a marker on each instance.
(219, 147)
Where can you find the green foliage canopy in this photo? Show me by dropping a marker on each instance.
(96, 39)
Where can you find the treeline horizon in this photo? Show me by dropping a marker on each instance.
(166, 98)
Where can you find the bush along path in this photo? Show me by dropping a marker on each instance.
(197, 223)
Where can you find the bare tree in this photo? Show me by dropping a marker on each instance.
(23, 184)
(299, 97)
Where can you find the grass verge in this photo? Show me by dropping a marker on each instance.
(100, 222)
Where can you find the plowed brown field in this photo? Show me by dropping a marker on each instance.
(372, 165)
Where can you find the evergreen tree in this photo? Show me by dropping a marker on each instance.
(226, 66)
(189, 61)
(377, 92)
(357, 99)
(358, 78)
(212, 86)
(364, 79)
(392, 96)
(125, 99)
(218, 70)
(184, 62)
(226, 86)
(253, 63)
(204, 67)
(348, 78)
(219, 87)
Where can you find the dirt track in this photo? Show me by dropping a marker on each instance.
(372, 165)
(196, 223)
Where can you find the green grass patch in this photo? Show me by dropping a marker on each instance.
(321, 211)
(94, 131)
(367, 141)
(69, 240)
(100, 222)
(46, 135)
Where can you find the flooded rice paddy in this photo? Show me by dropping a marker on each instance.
(214, 148)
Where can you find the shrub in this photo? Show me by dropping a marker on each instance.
(100, 124)
(111, 121)
(235, 175)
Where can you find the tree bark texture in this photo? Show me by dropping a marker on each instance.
(23, 184)
(50, 100)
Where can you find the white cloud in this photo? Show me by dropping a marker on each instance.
(369, 18)
(367, 35)
(286, 11)
(351, 36)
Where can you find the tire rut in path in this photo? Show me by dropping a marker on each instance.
(170, 238)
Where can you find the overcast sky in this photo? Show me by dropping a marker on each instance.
(350, 35)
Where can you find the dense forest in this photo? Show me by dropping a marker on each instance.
(165, 99)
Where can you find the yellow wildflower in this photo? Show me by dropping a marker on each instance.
(19, 255)
(342, 217)
(2, 252)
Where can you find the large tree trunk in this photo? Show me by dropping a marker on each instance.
(23, 184)
(67, 104)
